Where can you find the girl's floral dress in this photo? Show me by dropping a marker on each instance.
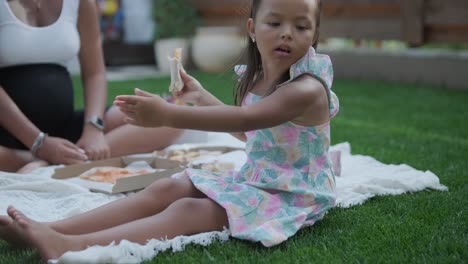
(287, 182)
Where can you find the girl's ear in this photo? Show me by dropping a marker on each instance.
(251, 28)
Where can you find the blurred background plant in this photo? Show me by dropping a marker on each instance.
(174, 19)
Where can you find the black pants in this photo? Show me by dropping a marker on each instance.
(44, 93)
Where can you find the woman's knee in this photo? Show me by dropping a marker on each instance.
(113, 118)
(12, 160)
(4, 154)
(3, 151)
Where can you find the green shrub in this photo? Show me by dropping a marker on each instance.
(174, 19)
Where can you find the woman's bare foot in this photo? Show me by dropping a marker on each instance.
(32, 166)
(49, 243)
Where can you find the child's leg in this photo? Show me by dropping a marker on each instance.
(148, 202)
(184, 217)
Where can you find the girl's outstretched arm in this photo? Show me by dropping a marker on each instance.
(286, 104)
(193, 92)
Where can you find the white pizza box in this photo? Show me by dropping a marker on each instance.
(164, 168)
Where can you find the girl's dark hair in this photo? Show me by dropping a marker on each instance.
(254, 59)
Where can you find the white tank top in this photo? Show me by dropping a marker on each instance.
(22, 44)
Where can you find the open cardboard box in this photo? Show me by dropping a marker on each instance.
(133, 183)
(127, 184)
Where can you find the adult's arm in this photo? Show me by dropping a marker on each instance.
(54, 150)
(14, 121)
(93, 75)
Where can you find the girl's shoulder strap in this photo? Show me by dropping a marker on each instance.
(320, 67)
(317, 65)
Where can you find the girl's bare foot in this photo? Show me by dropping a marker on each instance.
(32, 166)
(49, 243)
(7, 231)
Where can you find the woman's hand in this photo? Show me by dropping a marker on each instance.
(94, 143)
(143, 109)
(61, 151)
(192, 92)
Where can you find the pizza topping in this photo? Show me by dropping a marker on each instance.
(110, 174)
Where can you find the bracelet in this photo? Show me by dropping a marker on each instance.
(38, 143)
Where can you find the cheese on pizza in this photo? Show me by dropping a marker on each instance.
(109, 174)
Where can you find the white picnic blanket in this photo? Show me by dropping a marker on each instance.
(45, 199)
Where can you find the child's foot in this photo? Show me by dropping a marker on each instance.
(49, 243)
(30, 167)
(7, 233)
(5, 220)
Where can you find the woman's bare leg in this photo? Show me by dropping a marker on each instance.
(127, 139)
(33, 165)
(12, 160)
(184, 217)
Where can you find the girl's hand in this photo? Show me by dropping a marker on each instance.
(192, 91)
(94, 143)
(143, 109)
(61, 151)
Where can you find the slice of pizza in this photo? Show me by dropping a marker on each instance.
(109, 174)
(186, 156)
(218, 166)
(176, 65)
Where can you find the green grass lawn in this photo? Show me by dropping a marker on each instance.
(395, 123)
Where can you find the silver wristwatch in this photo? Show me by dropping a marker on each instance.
(97, 122)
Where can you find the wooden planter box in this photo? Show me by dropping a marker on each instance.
(223, 12)
(414, 21)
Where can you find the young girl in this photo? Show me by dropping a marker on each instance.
(287, 183)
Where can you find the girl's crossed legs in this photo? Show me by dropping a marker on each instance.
(166, 209)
